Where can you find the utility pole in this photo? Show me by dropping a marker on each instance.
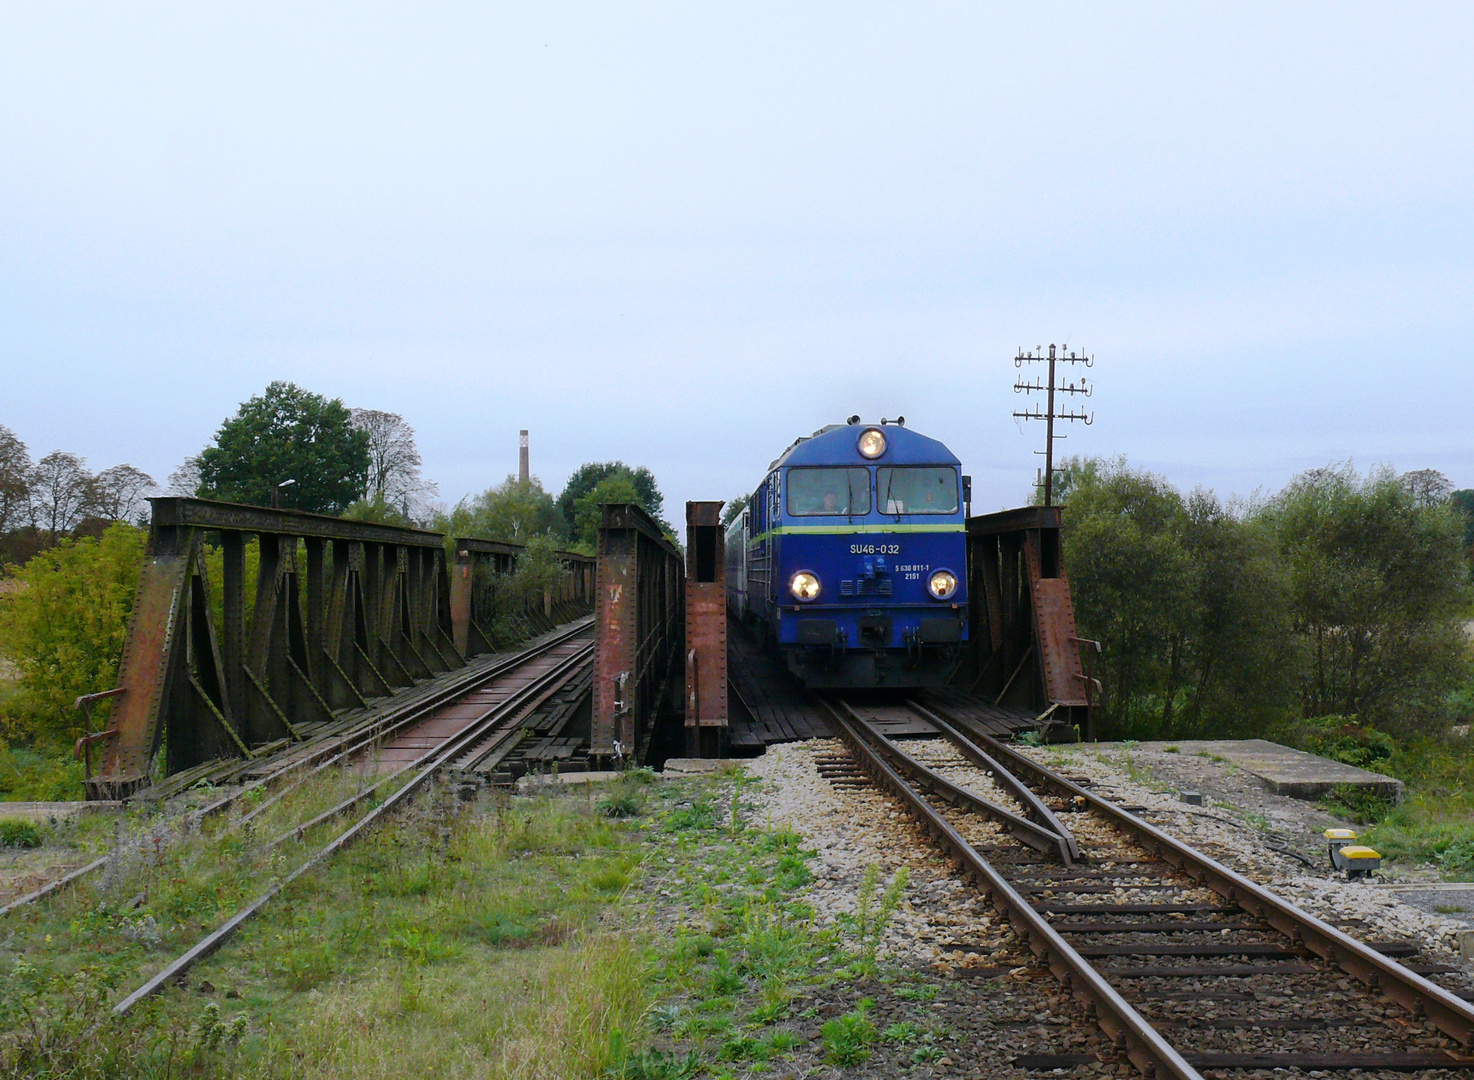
(1049, 415)
(524, 467)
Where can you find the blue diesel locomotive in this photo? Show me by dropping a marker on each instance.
(851, 556)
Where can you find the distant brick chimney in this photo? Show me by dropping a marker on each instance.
(524, 470)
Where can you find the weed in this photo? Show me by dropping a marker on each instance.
(923, 1054)
(700, 815)
(725, 978)
(1171, 749)
(19, 833)
(622, 804)
(1032, 737)
(923, 992)
(420, 946)
(1449, 909)
(743, 1048)
(848, 1038)
(781, 1042)
(871, 920)
(1363, 806)
(610, 877)
(648, 1064)
(904, 1032)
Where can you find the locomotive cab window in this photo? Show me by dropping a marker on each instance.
(917, 489)
(814, 492)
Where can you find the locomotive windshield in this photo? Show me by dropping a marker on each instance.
(812, 492)
(918, 489)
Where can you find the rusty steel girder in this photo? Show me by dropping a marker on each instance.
(341, 612)
(1028, 651)
(337, 613)
(706, 630)
(637, 628)
(488, 616)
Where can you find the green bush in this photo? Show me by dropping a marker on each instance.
(19, 833)
(64, 628)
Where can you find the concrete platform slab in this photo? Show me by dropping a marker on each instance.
(687, 766)
(54, 811)
(1290, 772)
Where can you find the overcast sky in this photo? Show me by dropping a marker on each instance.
(682, 235)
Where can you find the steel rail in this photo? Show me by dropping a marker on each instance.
(1421, 997)
(555, 679)
(372, 733)
(345, 744)
(1128, 1029)
(1022, 792)
(1034, 835)
(427, 765)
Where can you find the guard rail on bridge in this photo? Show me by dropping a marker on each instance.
(340, 613)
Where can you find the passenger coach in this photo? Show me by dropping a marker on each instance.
(851, 555)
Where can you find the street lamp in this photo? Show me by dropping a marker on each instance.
(276, 493)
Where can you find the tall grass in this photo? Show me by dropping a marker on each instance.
(539, 1015)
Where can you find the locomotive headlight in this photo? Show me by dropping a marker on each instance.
(872, 442)
(942, 584)
(804, 585)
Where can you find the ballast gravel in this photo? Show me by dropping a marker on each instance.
(995, 1001)
(944, 930)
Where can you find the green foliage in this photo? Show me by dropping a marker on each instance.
(27, 774)
(64, 626)
(699, 816)
(378, 510)
(1186, 598)
(872, 918)
(590, 475)
(1378, 588)
(733, 510)
(19, 833)
(624, 800)
(287, 433)
(513, 512)
(848, 1038)
(1343, 739)
(1343, 594)
(616, 488)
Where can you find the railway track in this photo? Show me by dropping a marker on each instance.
(297, 764)
(480, 725)
(1185, 965)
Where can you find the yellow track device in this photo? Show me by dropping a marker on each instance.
(1355, 860)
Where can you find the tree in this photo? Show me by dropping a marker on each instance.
(1378, 590)
(62, 492)
(1188, 599)
(1462, 502)
(15, 481)
(733, 510)
(513, 511)
(394, 461)
(591, 474)
(64, 628)
(120, 494)
(617, 487)
(288, 433)
(1428, 487)
(185, 480)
